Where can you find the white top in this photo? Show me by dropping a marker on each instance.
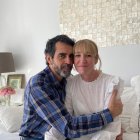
(89, 97)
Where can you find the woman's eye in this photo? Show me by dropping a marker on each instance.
(88, 55)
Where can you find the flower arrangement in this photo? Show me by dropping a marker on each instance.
(7, 90)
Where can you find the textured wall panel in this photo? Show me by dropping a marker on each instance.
(107, 22)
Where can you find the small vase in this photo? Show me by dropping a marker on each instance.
(7, 100)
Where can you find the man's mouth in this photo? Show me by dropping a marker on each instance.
(67, 67)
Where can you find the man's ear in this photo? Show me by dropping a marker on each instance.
(48, 59)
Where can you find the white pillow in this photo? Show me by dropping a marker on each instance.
(135, 82)
(129, 99)
(11, 117)
(134, 118)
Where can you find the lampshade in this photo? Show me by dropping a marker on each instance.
(6, 62)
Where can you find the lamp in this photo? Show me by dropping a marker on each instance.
(6, 64)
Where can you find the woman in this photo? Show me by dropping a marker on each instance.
(90, 90)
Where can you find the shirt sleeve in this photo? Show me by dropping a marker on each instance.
(49, 107)
(114, 82)
(112, 130)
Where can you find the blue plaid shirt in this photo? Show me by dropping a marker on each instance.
(44, 108)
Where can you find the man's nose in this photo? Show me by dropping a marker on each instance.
(68, 60)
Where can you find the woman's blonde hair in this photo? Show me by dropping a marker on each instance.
(88, 46)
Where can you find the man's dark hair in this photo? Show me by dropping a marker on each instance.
(50, 46)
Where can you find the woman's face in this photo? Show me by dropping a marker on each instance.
(84, 62)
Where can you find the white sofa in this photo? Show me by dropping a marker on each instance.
(130, 114)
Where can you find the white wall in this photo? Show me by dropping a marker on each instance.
(25, 27)
(122, 61)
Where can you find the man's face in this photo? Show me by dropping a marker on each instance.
(62, 62)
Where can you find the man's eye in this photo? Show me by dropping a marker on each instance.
(61, 55)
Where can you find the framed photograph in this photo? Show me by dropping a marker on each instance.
(16, 80)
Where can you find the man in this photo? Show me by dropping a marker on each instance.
(45, 94)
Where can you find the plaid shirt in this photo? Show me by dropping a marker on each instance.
(44, 108)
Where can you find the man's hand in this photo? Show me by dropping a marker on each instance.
(115, 105)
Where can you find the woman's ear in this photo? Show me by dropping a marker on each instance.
(96, 59)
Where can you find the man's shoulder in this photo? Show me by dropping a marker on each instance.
(40, 77)
(41, 74)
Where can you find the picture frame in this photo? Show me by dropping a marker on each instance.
(16, 80)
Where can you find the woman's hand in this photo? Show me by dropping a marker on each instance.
(115, 105)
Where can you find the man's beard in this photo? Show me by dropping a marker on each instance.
(64, 70)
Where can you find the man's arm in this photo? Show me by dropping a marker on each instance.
(52, 110)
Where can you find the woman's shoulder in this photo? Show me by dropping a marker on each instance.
(110, 77)
(113, 81)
